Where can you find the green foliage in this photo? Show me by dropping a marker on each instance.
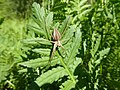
(90, 62)
(90, 36)
(67, 85)
(10, 47)
(68, 57)
(78, 9)
(59, 9)
(95, 60)
(51, 76)
(7, 8)
(74, 47)
(101, 33)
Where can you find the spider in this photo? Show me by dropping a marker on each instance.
(56, 36)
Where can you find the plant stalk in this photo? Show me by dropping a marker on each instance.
(65, 66)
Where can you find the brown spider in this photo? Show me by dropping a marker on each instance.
(56, 41)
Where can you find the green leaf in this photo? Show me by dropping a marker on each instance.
(42, 51)
(39, 16)
(75, 64)
(101, 55)
(37, 40)
(3, 72)
(51, 76)
(95, 43)
(67, 85)
(23, 70)
(69, 33)
(35, 63)
(82, 2)
(84, 7)
(65, 26)
(83, 13)
(49, 20)
(36, 29)
(39, 62)
(74, 47)
(79, 9)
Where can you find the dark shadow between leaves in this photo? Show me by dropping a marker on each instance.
(83, 78)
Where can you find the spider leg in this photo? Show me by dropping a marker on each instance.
(60, 45)
(53, 50)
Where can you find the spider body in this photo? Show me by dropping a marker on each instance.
(56, 41)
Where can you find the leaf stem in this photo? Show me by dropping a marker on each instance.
(65, 66)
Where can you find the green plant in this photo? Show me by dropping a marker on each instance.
(10, 52)
(63, 63)
(94, 64)
(90, 53)
(64, 67)
(103, 20)
(78, 9)
(7, 8)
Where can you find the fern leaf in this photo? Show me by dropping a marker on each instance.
(64, 26)
(38, 22)
(49, 20)
(37, 40)
(23, 70)
(75, 64)
(83, 13)
(40, 62)
(96, 46)
(95, 43)
(84, 7)
(74, 47)
(42, 12)
(69, 33)
(102, 55)
(38, 11)
(39, 16)
(82, 2)
(42, 51)
(3, 72)
(80, 8)
(67, 85)
(51, 76)
(35, 63)
(36, 29)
